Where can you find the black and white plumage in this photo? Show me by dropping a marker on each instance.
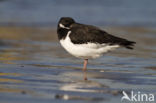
(86, 41)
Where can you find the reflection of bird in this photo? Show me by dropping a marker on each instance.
(86, 41)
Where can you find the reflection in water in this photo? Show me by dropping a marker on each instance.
(83, 86)
(119, 79)
(86, 87)
(72, 97)
(33, 63)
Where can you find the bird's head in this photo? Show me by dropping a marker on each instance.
(65, 22)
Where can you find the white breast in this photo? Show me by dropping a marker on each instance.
(86, 51)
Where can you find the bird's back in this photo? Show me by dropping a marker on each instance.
(81, 34)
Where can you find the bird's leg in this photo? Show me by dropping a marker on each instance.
(85, 64)
(85, 68)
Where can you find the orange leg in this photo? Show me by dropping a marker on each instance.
(85, 68)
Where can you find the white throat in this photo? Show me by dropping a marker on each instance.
(62, 26)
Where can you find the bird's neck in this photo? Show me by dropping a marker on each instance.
(62, 33)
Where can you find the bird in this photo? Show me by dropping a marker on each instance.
(87, 41)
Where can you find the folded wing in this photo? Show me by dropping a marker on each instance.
(81, 34)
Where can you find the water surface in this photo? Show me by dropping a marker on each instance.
(35, 68)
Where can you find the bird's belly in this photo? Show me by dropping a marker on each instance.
(86, 51)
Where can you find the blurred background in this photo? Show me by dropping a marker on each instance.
(101, 12)
(34, 67)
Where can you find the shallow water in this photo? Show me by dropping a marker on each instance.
(34, 68)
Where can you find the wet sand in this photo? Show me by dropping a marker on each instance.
(34, 68)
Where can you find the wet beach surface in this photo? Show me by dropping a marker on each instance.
(34, 68)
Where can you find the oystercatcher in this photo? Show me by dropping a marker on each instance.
(87, 41)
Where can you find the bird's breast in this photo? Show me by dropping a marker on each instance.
(85, 51)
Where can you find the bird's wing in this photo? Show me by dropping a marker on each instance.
(81, 33)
